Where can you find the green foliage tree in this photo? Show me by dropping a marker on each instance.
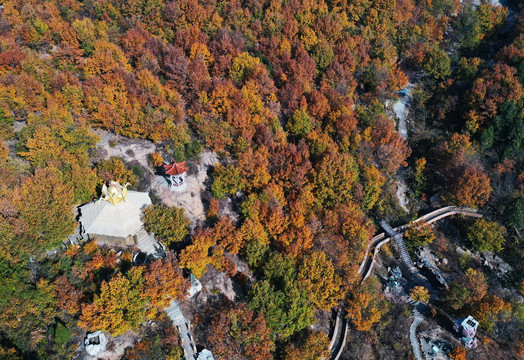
(242, 66)
(506, 133)
(487, 235)
(334, 180)
(436, 62)
(514, 213)
(457, 296)
(168, 223)
(419, 179)
(323, 54)
(284, 305)
(227, 180)
(300, 123)
(418, 234)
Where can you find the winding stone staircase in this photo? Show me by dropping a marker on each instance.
(341, 326)
(418, 318)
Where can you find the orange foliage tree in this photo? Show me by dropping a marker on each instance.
(164, 282)
(458, 353)
(313, 346)
(471, 188)
(366, 305)
(236, 332)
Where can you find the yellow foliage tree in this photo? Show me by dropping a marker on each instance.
(119, 307)
(317, 277)
(420, 294)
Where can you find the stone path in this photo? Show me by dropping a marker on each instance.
(401, 109)
(418, 318)
(182, 325)
(147, 243)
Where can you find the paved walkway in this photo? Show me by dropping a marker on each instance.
(147, 243)
(182, 325)
(418, 318)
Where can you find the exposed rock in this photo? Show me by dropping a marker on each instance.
(191, 198)
(128, 149)
(115, 347)
(215, 282)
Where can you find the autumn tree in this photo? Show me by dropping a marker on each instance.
(227, 180)
(458, 353)
(475, 282)
(418, 234)
(471, 188)
(317, 277)
(160, 342)
(345, 237)
(164, 282)
(209, 248)
(68, 296)
(487, 235)
(366, 305)
(115, 169)
(335, 176)
(22, 300)
(492, 311)
(46, 207)
(374, 180)
(195, 256)
(310, 346)
(169, 224)
(388, 148)
(419, 294)
(237, 332)
(119, 307)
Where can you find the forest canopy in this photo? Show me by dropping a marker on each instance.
(295, 99)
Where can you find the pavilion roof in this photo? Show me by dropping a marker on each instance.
(176, 168)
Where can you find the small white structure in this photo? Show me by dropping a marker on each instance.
(205, 355)
(114, 219)
(95, 343)
(467, 329)
(176, 175)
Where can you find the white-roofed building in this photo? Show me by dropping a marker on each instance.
(115, 218)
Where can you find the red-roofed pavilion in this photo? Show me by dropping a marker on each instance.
(175, 174)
